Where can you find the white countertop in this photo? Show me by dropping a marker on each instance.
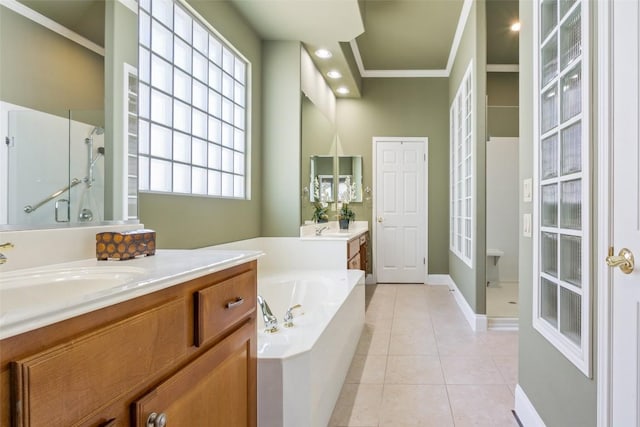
(24, 308)
(333, 231)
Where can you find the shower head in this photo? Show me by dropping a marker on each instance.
(97, 130)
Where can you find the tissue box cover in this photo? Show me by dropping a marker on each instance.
(125, 245)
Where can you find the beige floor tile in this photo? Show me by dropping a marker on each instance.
(502, 299)
(374, 340)
(414, 370)
(358, 405)
(482, 405)
(367, 369)
(412, 344)
(508, 367)
(503, 343)
(462, 344)
(512, 388)
(407, 325)
(415, 405)
(471, 370)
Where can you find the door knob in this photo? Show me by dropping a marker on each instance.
(157, 420)
(380, 219)
(624, 260)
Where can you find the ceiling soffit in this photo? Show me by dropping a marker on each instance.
(408, 34)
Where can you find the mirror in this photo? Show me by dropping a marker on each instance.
(349, 172)
(321, 180)
(317, 156)
(68, 109)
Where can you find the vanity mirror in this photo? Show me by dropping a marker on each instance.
(349, 170)
(68, 112)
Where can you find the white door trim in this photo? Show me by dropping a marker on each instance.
(604, 230)
(375, 140)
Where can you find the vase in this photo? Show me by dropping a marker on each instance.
(322, 220)
(344, 224)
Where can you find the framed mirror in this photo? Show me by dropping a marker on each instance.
(321, 179)
(349, 179)
(68, 110)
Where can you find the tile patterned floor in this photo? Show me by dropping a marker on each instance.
(501, 298)
(418, 363)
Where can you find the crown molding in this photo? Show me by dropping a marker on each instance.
(52, 25)
(503, 68)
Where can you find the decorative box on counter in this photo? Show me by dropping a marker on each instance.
(125, 245)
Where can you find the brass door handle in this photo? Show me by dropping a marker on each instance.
(624, 260)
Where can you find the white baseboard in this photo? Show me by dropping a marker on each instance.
(439, 279)
(478, 322)
(502, 324)
(525, 410)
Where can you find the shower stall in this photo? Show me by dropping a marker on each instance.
(55, 168)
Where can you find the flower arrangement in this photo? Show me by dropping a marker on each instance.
(319, 208)
(346, 214)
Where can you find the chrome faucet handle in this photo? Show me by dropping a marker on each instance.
(270, 321)
(3, 257)
(288, 316)
(319, 230)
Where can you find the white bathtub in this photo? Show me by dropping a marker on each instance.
(301, 369)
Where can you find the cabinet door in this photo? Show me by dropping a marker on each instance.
(64, 384)
(216, 389)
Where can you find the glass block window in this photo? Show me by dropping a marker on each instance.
(562, 230)
(193, 110)
(461, 162)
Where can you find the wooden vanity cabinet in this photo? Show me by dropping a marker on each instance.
(357, 253)
(118, 365)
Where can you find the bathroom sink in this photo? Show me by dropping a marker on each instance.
(67, 280)
(29, 289)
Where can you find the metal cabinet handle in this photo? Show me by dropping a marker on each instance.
(624, 260)
(157, 420)
(238, 301)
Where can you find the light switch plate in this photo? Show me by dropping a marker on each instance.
(527, 190)
(526, 225)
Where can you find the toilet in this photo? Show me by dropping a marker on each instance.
(493, 270)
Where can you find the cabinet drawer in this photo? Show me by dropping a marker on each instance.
(363, 239)
(223, 304)
(60, 386)
(353, 248)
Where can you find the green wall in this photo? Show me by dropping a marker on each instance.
(45, 71)
(502, 101)
(471, 281)
(561, 394)
(191, 221)
(403, 107)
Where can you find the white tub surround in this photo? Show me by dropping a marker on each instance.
(292, 253)
(331, 230)
(33, 248)
(27, 302)
(301, 369)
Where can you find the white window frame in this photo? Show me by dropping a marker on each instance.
(579, 355)
(233, 159)
(461, 163)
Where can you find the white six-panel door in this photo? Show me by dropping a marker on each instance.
(400, 210)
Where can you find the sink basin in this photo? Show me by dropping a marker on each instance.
(35, 288)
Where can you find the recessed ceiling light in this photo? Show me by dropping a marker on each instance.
(334, 74)
(342, 90)
(323, 53)
(515, 26)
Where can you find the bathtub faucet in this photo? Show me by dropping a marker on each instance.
(319, 230)
(270, 321)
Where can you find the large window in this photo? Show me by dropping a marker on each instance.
(193, 105)
(562, 285)
(461, 179)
